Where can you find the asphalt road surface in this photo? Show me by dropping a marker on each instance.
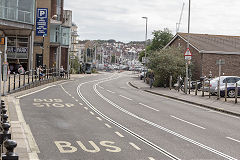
(101, 117)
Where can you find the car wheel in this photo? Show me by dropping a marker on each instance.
(231, 94)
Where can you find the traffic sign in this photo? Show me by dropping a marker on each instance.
(188, 54)
(42, 22)
(220, 62)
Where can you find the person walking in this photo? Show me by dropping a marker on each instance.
(151, 78)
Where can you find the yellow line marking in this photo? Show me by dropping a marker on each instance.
(73, 97)
(108, 125)
(119, 134)
(86, 108)
(81, 104)
(151, 158)
(135, 146)
(99, 118)
(76, 100)
(92, 113)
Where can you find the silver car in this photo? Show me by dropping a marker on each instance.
(223, 79)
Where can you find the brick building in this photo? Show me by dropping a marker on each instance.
(207, 49)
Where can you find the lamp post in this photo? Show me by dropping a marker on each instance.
(146, 18)
(186, 79)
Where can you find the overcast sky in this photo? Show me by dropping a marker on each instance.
(121, 19)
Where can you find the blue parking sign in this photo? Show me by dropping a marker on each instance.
(42, 22)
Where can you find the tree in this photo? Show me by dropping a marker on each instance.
(160, 40)
(166, 63)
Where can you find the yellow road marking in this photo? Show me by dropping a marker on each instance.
(119, 134)
(86, 108)
(99, 118)
(135, 146)
(92, 113)
(108, 125)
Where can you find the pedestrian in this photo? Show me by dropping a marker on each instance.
(21, 69)
(61, 71)
(151, 78)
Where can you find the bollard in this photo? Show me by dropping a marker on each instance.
(14, 81)
(24, 76)
(3, 111)
(47, 72)
(32, 75)
(189, 86)
(236, 92)
(203, 84)
(5, 134)
(10, 145)
(9, 84)
(4, 118)
(19, 81)
(178, 83)
(225, 92)
(209, 85)
(196, 88)
(170, 83)
(28, 78)
(218, 91)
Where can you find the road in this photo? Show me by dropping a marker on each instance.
(101, 117)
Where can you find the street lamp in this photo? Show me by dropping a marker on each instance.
(146, 18)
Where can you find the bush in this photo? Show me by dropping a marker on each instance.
(166, 63)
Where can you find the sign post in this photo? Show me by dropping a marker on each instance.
(188, 57)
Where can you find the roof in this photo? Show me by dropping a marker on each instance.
(206, 43)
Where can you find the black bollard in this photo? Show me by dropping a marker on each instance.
(4, 118)
(5, 134)
(10, 145)
(4, 111)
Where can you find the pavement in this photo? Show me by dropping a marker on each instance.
(213, 103)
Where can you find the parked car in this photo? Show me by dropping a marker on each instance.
(230, 90)
(231, 80)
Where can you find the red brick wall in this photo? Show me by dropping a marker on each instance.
(196, 57)
(230, 68)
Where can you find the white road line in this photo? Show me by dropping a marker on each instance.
(135, 146)
(99, 118)
(80, 104)
(119, 134)
(101, 87)
(92, 113)
(76, 100)
(86, 108)
(108, 125)
(151, 158)
(145, 141)
(110, 91)
(187, 122)
(156, 125)
(35, 91)
(73, 97)
(233, 139)
(125, 97)
(148, 107)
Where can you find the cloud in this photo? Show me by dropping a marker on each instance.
(121, 19)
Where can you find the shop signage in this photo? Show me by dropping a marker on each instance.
(42, 22)
(17, 50)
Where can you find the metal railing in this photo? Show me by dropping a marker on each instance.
(33, 78)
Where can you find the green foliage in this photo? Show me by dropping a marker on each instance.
(75, 65)
(166, 63)
(113, 59)
(160, 39)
